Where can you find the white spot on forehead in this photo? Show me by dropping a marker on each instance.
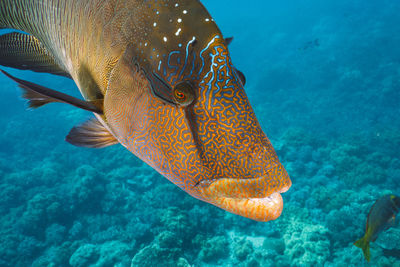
(178, 31)
(185, 11)
(165, 39)
(155, 24)
(179, 20)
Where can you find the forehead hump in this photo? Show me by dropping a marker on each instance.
(171, 25)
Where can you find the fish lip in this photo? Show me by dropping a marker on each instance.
(284, 179)
(256, 198)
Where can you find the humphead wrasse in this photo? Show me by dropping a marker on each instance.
(159, 79)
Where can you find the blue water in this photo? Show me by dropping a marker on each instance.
(324, 80)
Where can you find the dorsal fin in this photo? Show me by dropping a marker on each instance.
(38, 96)
(35, 99)
(91, 134)
(25, 52)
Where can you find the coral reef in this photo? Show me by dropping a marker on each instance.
(212, 249)
(307, 245)
(330, 109)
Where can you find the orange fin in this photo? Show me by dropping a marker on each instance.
(91, 134)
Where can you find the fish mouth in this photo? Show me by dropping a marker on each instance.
(255, 198)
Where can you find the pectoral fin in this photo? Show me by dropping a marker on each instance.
(91, 134)
(38, 96)
(391, 222)
(25, 52)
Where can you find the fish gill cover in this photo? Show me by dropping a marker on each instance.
(323, 78)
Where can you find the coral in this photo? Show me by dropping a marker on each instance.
(307, 245)
(330, 198)
(265, 257)
(10, 248)
(57, 255)
(55, 234)
(242, 248)
(206, 219)
(348, 222)
(111, 233)
(85, 255)
(76, 230)
(11, 196)
(327, 170)
(164, 251)
(349, 255)
(345, 233)
(274, 244)
(29, 247)
(182, 262)
(168, 239)
(139, 231)
(213, 249)
(389, 239)
(88, 190)
(178, 222)
(114, 253)
(296, 137)
(252, 263)
(41, 209)
(356, 166)
(137, 178)
(153, 255)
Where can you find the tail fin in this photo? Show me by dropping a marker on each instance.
(364, 245)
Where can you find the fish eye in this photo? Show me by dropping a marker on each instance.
(183, 93)
(180, 95)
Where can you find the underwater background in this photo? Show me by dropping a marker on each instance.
(324, 80)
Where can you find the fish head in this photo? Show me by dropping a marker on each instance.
(179, 104)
